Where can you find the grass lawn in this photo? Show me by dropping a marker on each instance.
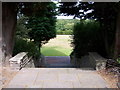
(59, 46)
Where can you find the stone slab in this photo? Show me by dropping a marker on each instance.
(58, 84)
(53, 71)
(57, 78)
(47, 77)
(91, 80)
(67, 77)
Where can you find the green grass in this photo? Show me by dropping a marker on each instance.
(57, 47)
(55, 51)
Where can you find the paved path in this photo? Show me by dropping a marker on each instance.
(57, 78)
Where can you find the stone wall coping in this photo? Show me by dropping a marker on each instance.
(20, 61)
(97, 61)
(17, 58)
(97, 57)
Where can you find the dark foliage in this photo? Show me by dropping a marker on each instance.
(42, 23)
(86, 38)
(104, 12)
(22, 45)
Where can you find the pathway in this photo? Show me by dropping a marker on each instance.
(53, 76)
(57, 78)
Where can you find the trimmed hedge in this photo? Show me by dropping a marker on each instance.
(86, 38)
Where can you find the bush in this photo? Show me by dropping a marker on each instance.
(86, 37)
(22, 45)
(118, 59)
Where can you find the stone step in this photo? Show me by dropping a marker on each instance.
(57, 78)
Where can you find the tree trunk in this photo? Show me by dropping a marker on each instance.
(117, 43)
(0, 34)
(9, 20)
(39, 48)
(106, 42)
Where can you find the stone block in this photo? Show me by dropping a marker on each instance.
(97, 61)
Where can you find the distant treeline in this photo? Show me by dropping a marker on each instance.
(65, 26)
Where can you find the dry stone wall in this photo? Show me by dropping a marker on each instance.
(21, 60)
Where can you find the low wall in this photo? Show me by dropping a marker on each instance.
(20, 61)
(93, 61)
(97, 61)
(82, 62)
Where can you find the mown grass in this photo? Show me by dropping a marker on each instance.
(59, 46)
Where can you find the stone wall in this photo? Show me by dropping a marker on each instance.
(83, 62)
(91, 61)
(39, 62)
(97, 61)
(21, 60)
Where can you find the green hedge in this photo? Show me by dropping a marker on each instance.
(86, 37)
(22, 45)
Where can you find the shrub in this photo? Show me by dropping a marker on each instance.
(22, 45)
(86, 37)
(118, 59)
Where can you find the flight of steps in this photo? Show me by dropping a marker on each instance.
(60, 62)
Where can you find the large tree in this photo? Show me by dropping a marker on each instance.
(43, 25)
(9, 21)
(117, 43)
(21, 29)
(104, 12)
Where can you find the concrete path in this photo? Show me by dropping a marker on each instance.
(57, 78)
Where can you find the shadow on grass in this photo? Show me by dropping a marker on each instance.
(51, 51)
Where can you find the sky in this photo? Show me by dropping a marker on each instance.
(71, 17)
(62, 17)
(67, 17)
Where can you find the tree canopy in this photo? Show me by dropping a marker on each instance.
(41, 20)
(104, 12)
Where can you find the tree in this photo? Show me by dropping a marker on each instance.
(104, 12)
(117, 42)
(21, 29)
(43, 25)
(9, 21)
